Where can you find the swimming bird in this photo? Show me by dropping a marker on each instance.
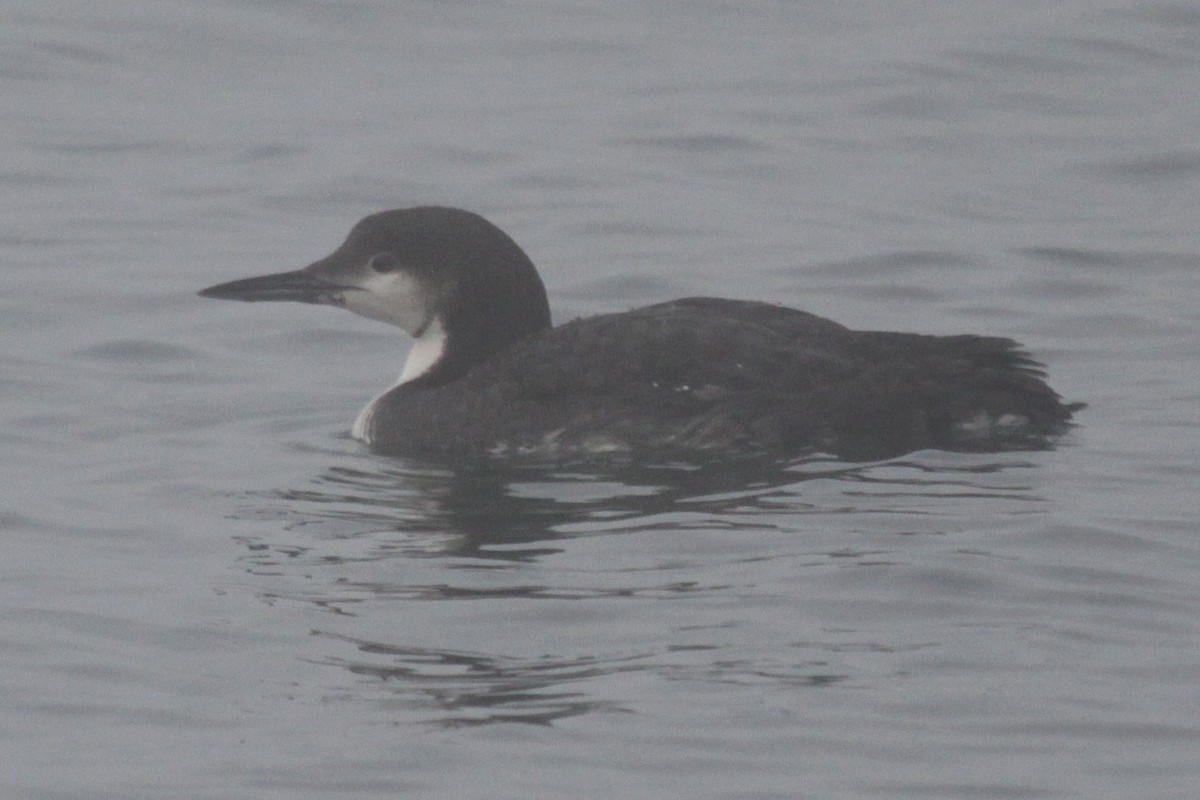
(489, 375)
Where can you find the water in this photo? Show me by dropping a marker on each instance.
(209, 591)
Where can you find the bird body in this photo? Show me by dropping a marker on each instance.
(488, 375)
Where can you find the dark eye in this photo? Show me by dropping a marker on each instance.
(384, 262)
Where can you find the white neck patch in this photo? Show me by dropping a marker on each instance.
(426, 351)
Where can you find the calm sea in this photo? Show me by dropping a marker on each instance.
(208, 591)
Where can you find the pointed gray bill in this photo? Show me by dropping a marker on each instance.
(299, 286)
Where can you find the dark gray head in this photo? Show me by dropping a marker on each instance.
(425, 269)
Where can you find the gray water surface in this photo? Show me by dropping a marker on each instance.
(208, 590)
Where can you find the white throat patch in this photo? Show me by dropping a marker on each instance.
(426, 351)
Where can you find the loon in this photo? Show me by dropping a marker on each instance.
(489, 375)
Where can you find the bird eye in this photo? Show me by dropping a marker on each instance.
(384, 263)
